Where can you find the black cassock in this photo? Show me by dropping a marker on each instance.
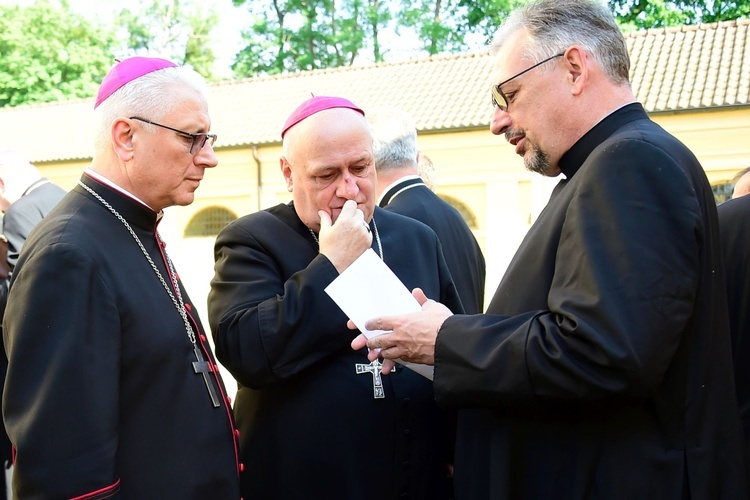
(602, 368)
(462, 253)
(734, 220)
(310, 426)
(102, 399)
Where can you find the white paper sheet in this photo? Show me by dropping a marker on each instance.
(368, 289)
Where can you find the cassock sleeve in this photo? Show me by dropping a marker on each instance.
(61, 400)
(625, 279)
(269, 314)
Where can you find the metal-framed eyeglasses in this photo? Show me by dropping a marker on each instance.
(199, 140)
(498, 97)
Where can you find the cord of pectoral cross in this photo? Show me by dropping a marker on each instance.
(180, 306)
(200, 366)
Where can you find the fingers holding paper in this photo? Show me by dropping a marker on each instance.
(411, 336)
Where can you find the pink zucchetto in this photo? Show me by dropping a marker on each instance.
(315, 105)
(126, 71)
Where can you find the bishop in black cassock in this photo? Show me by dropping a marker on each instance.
(111, 389)
(102, 397)
(308, 420)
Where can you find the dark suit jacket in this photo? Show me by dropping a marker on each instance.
(25, 213)
(18, 221)
(602, 368)
(734, 221)
(460, 248)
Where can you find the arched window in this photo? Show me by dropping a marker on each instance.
(209, 221)
(465, 211)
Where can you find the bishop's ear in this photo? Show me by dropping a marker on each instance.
(286, 169)
(122, 139)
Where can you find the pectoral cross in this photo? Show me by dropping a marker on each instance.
(201, 366)
(377, 381)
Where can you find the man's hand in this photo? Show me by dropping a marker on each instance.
(412, 336)
(347, 239)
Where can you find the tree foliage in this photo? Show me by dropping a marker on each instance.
(178, 31)
(644, 14)
(291, 35)
(288, 35)
(49, 54)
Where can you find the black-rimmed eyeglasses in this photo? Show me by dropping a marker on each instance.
(199, 140)
(498, 97)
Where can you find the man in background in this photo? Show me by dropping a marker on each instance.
(734, 222)
(25, 198)
(402, 191)
(741, 183)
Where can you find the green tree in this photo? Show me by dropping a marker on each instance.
(643, 14)
(178, 31)
(292, 35)
(50, 54)
(436, 23)
(484, 16)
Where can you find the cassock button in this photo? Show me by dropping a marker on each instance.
(242, 467)
(237, 433)
(163, 244)
(203, 338)
(188, 307)
(229, 400)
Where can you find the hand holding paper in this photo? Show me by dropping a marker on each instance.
(387, 314)
(412, 336)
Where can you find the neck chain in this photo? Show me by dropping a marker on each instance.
(200, 365)
(375, 232)
(178, 302)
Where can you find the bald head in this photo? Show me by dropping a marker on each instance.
(327, 160)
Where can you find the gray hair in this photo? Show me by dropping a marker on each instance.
(394, 138)
(555, 25)
(147, 96)
(740, 174)
(17, 173)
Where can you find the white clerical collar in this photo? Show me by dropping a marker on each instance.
(37, 183)
(99, 177)
(394, 184)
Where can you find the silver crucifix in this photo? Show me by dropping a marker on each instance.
(377, 381)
